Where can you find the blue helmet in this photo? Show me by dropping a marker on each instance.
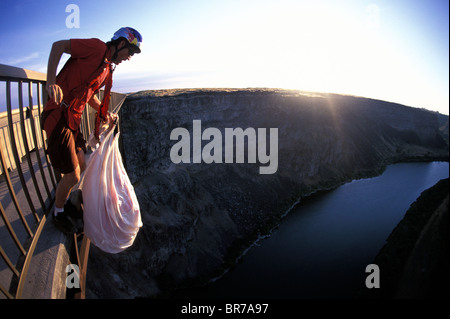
(133, 37)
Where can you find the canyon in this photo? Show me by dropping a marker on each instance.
(198, 217)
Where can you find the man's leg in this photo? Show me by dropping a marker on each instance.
(65, 185)
(81, 161)
(65, 151)
(62, 220)
(68, 181)
(65, 213)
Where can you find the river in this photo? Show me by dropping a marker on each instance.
(322, 247)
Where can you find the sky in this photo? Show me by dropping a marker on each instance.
(392, 50)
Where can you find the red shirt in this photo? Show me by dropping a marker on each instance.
(87, 56)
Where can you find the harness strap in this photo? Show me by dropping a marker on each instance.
(103, 110)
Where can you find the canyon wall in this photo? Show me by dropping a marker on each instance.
(199, 216)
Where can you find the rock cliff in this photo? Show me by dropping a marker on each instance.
(198, 216)
(414, 265)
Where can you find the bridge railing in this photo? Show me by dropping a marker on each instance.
(27, 180)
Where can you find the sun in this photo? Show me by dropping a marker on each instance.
(296, 46)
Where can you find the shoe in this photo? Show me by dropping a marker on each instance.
(76, 215)
(65, 223)
(72, 210)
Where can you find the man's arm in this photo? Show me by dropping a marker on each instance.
(58, 48)
(95, 103)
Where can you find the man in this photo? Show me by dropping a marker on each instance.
(89, 68)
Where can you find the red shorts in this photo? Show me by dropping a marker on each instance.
(63, 146)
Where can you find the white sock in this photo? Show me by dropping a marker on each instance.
(58, 210)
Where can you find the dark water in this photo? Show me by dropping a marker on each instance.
(323, 246)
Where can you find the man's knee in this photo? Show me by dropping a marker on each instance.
(81, 161)
(74, 177)
(77, 174)
(82, 167)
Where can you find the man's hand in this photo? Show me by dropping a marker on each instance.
(95, 103)
(112, 118)
(55, 92)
